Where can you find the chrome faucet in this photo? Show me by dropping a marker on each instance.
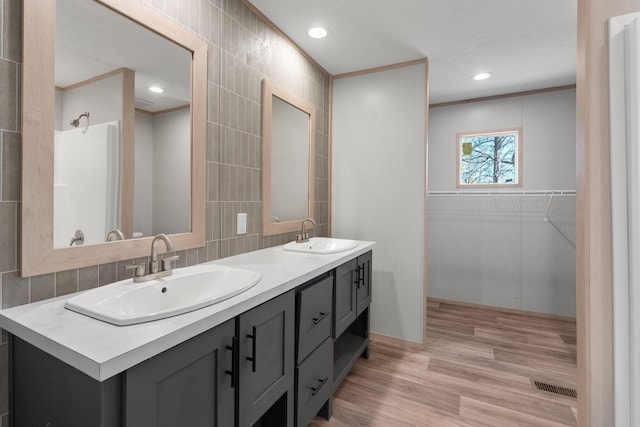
(115, 233)
(153, 265)
(303, 236)
(154, 272)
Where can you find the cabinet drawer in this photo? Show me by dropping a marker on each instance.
(314, 383)
(314, 316)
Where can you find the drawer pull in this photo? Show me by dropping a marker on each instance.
(361, 275)
(317, 320)
(252, 359)
(234, 362)
(316, 390)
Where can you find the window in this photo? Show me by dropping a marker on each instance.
(490, 159)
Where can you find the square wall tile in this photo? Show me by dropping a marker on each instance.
(66, 282)
(88, 278)
(9, 94)
(15, 289)
(43, 287)
(107, 273)
(11, 166)
(8, 235)
(12, 30)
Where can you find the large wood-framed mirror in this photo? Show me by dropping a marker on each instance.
(183, 106)
(288, 159)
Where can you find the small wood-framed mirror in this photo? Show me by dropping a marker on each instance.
(288, 160)
(39, 253)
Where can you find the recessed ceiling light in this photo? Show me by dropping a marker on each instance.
(481, 76)
(318, 32)
(156, 89)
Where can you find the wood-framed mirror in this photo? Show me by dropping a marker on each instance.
(288, 160)
(41, 116)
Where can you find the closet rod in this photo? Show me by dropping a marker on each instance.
(504, 193)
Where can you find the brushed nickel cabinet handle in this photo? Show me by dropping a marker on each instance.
(317, 320)
(316, 389)
(252, 359)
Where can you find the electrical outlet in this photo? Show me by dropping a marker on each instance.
(242, 223)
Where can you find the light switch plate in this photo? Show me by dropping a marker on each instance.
(242, 223)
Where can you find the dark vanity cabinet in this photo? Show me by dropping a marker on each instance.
(189, 384)
(276, 364)
(266, 367)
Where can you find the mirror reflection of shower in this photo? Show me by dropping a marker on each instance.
(76, 122)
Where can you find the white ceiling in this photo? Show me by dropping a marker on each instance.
(92, 40)
(525, 44)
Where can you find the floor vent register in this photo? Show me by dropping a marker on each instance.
(556, 389)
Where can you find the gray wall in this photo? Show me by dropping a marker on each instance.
(171, 167)
(102, 99)
(235, 72)
(498, 249)
(143, 175)
(378, 188)
(162, 172)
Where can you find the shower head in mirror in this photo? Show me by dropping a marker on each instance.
(76, 122)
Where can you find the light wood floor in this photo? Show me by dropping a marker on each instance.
(477, 371)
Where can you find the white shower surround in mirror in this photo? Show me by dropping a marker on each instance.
(86, 179)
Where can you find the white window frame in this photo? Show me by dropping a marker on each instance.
(518, 158)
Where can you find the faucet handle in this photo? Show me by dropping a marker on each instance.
(166, 262)
(138, 269)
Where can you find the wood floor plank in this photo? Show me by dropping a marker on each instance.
(476, 371)
(484, 378)
(461, 319)
(449, 325)
(552, 347)
(529, 325)
(524, 400)
(514, 354)
(346, 413)
(501, 417)
(378, 384)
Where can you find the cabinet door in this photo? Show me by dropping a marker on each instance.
(185, 385)
(363, 288)
(345, 296)
(266, 336)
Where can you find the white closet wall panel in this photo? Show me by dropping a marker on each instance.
(378, 188)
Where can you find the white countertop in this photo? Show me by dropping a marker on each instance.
(102, 350)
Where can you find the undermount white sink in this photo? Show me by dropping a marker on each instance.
(321, 245)
(187, 289)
